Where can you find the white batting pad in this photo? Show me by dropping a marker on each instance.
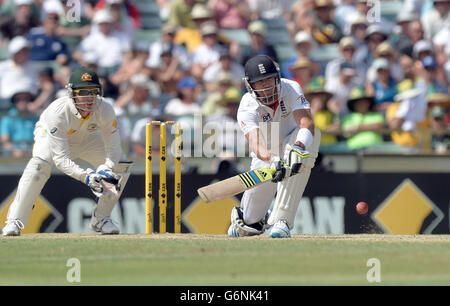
(290, 191)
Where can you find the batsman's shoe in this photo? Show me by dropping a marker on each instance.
(104, 226)
(280, 230)
(238, 227)
(12, 228)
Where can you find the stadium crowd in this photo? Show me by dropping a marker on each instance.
(377, 80)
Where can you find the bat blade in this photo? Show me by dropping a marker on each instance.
(236, 184)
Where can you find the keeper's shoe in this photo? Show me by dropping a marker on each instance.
(280, 230)
(12, 228)
(104, 226)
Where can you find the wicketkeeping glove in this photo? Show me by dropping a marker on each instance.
(93, 180)
(283, 171)
(297, 155)
(107, 175)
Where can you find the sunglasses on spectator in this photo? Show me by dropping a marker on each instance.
(376, 40)
(87, 92)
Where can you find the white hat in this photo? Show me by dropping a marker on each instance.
(380, 63)
(141, 80)
(23, 2)
(301, 37)
(114, 1)
(420, 46)
(102, 16)
(16, 44)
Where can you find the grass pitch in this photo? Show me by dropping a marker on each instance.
(187, 259)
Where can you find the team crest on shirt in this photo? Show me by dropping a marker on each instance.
(266, 117)
(86, 77)
(92, 127)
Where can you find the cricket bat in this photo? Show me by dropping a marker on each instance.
(236, 184)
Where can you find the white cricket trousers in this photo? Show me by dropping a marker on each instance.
(38, 170)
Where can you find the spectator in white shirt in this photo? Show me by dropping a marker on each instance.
(208, 53)
(17, 73)
(185, 104)
(225, 64)
(168, 32)
(112, 48)
(436, 19)
(341, 89)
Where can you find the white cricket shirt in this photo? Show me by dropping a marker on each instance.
(66, 128)
(275, 124)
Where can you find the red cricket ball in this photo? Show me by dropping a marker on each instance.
(362, 208)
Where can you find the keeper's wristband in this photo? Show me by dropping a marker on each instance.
(305, 136)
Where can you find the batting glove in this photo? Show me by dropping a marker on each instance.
(282, 172)
(297, 155)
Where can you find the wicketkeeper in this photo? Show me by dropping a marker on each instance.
(275, 117)
(80, 125)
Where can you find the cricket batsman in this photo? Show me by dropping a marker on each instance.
(79, 125)
(275, 118)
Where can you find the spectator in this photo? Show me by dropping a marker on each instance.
(436, 19)
(324, 119)
(185, 104)
(386, 51)
(341, 89)
(48, 88)
(180, 13)
(16, 129)
(178, 51)
(228, 131)
(212, 103)
(122, 22)
(191, 37)
(301, 71)
(347, 49)
(422, 49)
(357, 27)
(45, 43)
(258, 44)
(111, 48)
(140, 99)
(226, 64)
(230, 14)
(384, 88)
(345, 10)
(208, 53)
(440, 140)
(441, 41)
(170, 70)
(164, 9)
(22, 21)
(303, 43)
(72, 32)
(124, 8)
(428, 81)
(441, 100)
(136, 65)
(362, 125)
(271, 9)
(326, 31)
(302, 17)
(17, 73)
(404, 116)
(375, 35)
(412, 36)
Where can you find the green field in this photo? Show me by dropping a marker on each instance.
(187, 259)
